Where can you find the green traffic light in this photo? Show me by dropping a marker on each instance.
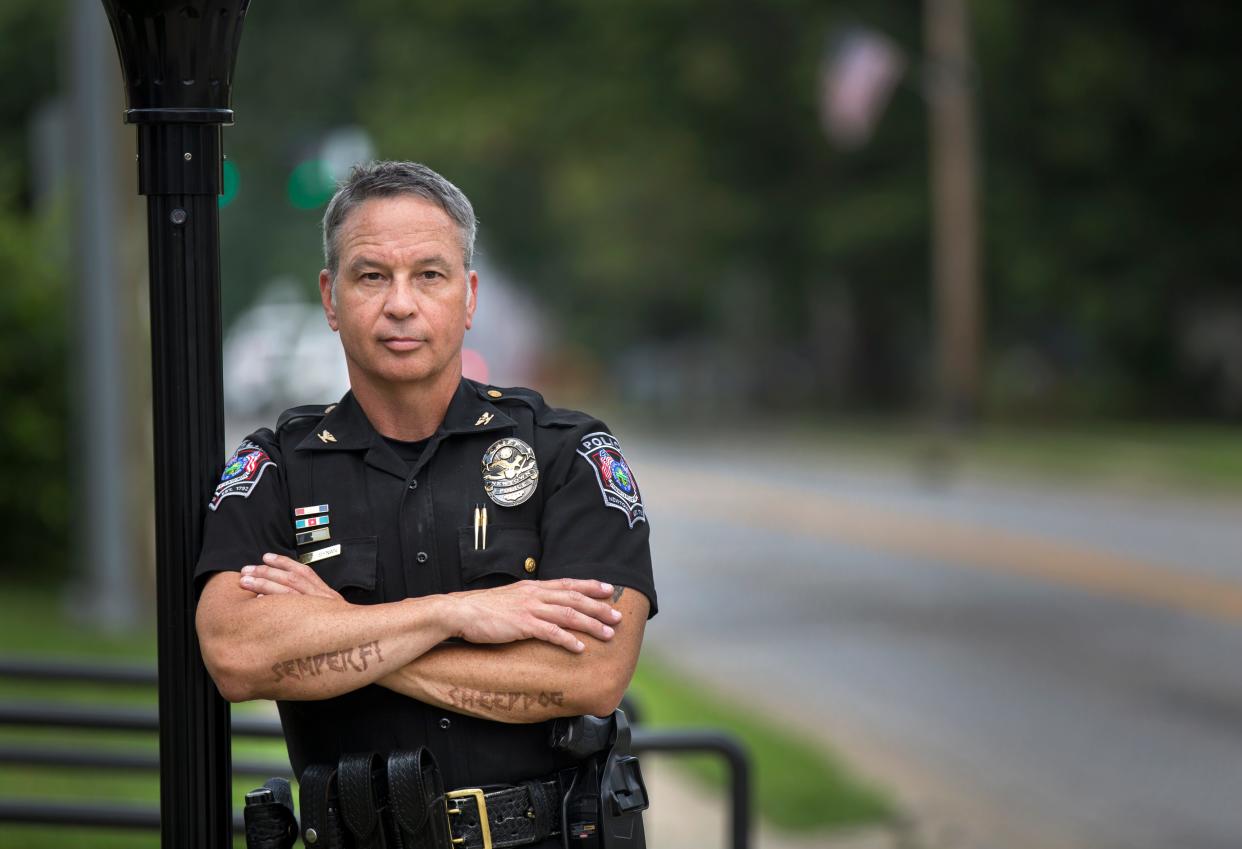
(310, 185)
(230, 184)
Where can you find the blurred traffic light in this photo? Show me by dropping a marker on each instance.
(230, 185)
(311, 184)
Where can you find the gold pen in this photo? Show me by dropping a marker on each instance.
(477, 510)
(484, 526)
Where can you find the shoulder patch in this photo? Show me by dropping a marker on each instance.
(616, 482)
(241, 472)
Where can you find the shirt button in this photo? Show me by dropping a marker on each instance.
(413, 485)
(446, 723)
(421, 557)
(529, 566)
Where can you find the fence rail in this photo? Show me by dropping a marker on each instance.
(43, 714)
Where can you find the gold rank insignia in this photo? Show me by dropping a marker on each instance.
(326, 436)
(485, 418)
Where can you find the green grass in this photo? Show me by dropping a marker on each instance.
(797, 785)
(1203, 459)
(1177, 456)
(34, 622)
(1184, 457)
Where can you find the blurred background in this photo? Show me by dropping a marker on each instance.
(921, 325)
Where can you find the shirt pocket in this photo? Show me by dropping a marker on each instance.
(352, 573)
(512, 554)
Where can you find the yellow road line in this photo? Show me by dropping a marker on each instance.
(977, 546)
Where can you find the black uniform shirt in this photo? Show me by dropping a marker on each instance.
(406, 530)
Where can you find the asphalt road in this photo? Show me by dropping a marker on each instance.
(1025, 666)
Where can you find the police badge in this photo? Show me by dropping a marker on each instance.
(510, 473)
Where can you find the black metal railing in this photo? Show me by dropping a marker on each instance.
(45, 714)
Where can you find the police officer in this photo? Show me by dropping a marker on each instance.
(430, 561)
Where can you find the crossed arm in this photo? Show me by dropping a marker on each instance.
(538, 649)
(530, 681)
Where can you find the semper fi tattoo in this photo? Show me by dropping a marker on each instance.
(352, 659)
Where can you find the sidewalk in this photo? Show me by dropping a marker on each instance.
(685, 815)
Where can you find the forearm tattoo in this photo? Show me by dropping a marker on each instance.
(485, 700)
(353, 659)
(616, 594)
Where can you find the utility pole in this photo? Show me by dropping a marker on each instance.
(106, 547)
(954, 214)
(177, 61)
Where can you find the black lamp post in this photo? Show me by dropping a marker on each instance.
(177, 60)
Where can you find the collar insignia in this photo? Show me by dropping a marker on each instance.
(485, 418)
(326, 436)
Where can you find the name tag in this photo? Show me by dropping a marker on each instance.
(320, 554)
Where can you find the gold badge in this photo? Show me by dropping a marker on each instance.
(510, 473)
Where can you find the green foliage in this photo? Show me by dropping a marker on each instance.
(656, 169)
(33, 338)
(33, 383)
(1110, 219)
(28, 54)
(798, 786)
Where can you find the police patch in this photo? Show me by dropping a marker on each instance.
(241, 472)
(616, 481)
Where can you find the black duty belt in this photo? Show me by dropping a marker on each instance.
(366, 803)
(514, 816)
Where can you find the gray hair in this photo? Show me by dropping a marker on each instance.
(385, 179)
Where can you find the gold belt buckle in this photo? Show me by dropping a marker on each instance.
(485, 828)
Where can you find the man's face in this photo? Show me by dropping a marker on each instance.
(404, 299)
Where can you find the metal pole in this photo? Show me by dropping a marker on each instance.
(183, 236)
(177, 59)
(955, 217)
(735, 757)
(105, 549)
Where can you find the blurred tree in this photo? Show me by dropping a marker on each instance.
(33, 382)
(33, 321)
(1112, 175)
(658, 171)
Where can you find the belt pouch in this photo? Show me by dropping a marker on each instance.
(416, 799)
(268, 816)
(363, 787)
(321, 824)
